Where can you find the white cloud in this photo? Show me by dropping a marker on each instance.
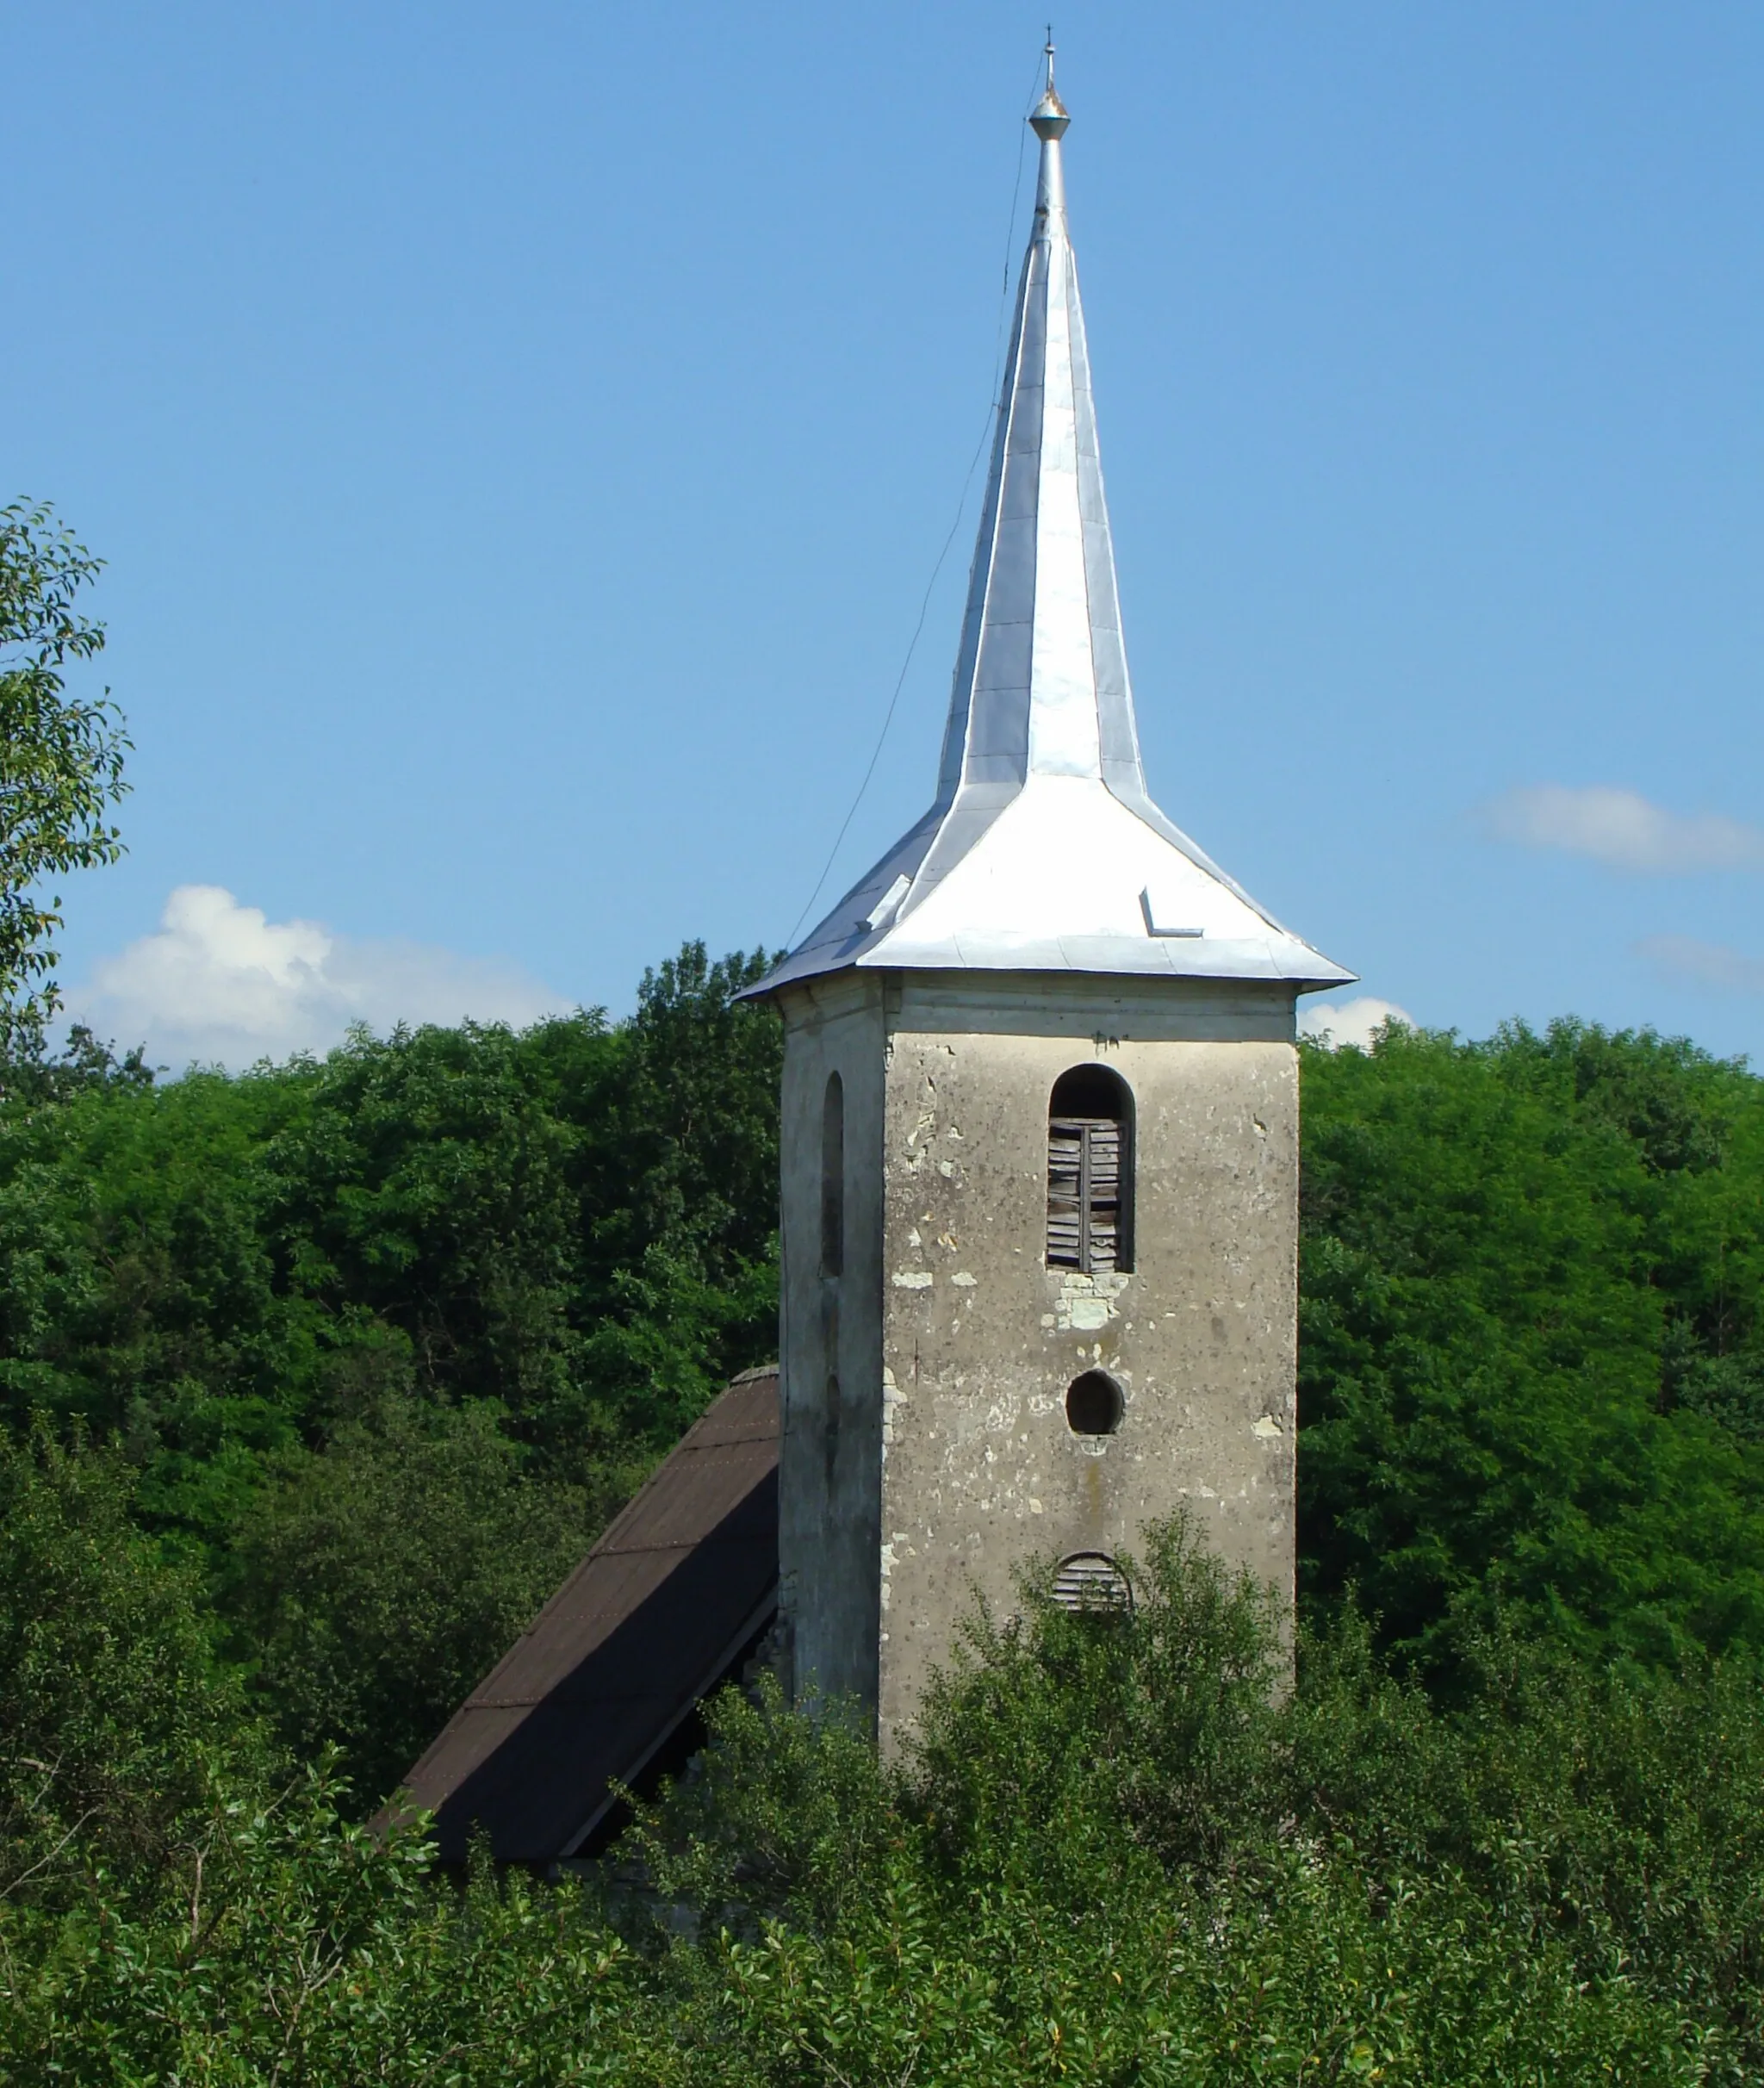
(1705, 964)
(1622, 829)
(219, 981)
(1354, 1022)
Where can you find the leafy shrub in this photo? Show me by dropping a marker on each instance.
(119, 1735)
(1108, 1856)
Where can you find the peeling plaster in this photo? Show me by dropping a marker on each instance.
(953, 1422)
(1216, 1241)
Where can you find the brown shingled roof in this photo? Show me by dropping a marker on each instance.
(666, 1607)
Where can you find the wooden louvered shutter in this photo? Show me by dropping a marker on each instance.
(1083, 1193)
(1103, 1194)
(1065, 1206)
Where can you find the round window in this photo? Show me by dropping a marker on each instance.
(1094, 1404)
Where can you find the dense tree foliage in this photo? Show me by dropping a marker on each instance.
(575, 1222)
(1117, 1853)
(60, 752)
(315, 1380)
(385, 1338)
(1533, 1359)
(115, 1720)
(372, 1585)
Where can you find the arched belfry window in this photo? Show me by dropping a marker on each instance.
(1090, 1171)
(833, 1177)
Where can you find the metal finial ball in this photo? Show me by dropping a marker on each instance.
(1050, 119)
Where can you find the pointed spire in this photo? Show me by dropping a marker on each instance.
(1040, 680)
(1043, 850)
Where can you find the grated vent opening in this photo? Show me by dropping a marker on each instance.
(1090, 1581)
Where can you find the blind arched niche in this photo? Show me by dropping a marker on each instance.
(1090, 1171)
(833, 1177)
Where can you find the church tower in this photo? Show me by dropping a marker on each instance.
(1040, 1204)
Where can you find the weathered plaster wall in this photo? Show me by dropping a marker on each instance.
(945, 1461)
(830, 1333)
(980, 1340)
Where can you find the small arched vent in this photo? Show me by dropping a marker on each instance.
(1090, 1581)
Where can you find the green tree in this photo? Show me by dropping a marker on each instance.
(683, 1194)
(60, 754)
(575, 1222)
(139, 1285)
(119, 1735)
(374, 1582)
(1531, 1279)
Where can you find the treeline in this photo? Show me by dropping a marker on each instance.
(316, 1379)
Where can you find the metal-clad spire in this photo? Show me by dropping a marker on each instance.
(1041, 678)
(1043, 850)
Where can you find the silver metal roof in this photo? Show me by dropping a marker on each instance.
(1043, 850)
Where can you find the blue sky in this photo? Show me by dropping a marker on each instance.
(521, 438)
